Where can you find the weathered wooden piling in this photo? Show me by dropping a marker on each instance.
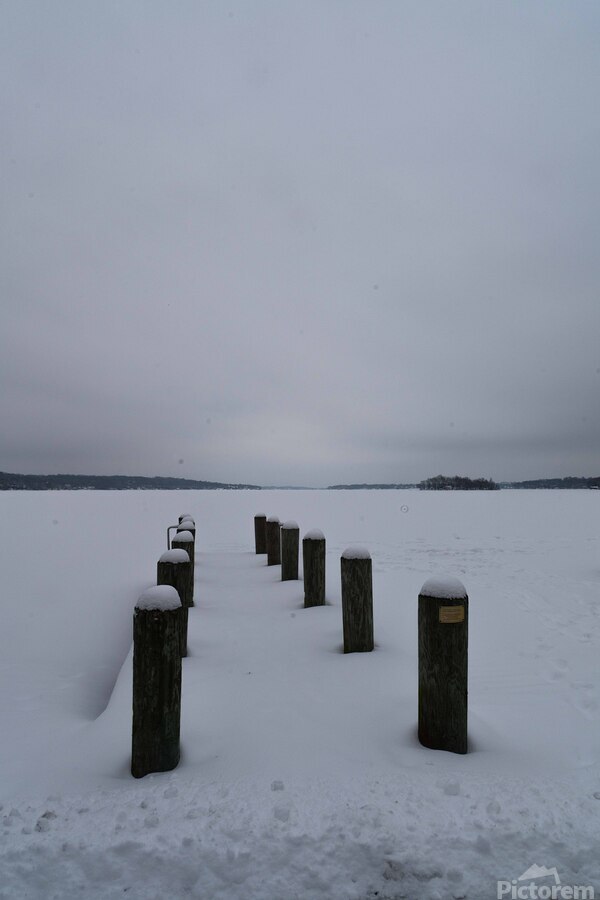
(273, 529)
(290, 549)
(357, 600)
(174, 568)
(313, 561)
(187, 525)
(184, 540)
(443, 650)
(156, 681)
(260, 533)
(185, 516)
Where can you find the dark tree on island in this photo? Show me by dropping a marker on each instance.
(457, 483)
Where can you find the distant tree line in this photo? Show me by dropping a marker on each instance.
(370, 487)
(457, 483)
(14, 482)
(570, 482)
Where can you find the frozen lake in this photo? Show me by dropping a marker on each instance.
(301, 775)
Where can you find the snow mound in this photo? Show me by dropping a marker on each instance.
(273, 519)
(314, 535)
(161, 596)
(175, 556)
(445, 587)
(356, 553)
(291, 525)
(184, 536)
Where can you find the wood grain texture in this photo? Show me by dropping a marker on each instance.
(443, 669)
(260, 534)
(313, 561)
(156, 691)
(273, 543)
(178, 575)
(188, 546)
(357, 605)
(290, 550)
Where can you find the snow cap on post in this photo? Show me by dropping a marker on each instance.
(161, 596)
(290, 524)
(184, 537)
(444, 587)
(356, 553)
(186, 525)
(175, 556)
(314, 535)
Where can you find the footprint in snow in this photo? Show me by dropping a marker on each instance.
(452, 788)
(281, 812)
(585, 699)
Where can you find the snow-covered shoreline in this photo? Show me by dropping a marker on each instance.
(301, 775)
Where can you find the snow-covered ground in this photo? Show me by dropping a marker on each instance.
(301, 775)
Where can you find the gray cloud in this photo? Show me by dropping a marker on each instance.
(300, 242)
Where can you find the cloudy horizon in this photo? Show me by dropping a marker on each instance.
(300, 243)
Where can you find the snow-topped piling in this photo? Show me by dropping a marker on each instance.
(260, 533)
(290, 548)
(273, 539)
(174, 568)
(184, 540)
(313, 561)
(443, 647)
(156, 681)
(357, 600)
(187, 525)
(184, 521)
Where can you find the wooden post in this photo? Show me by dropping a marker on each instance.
(313, 561)
(156, 681)
(187, 525)
(260, 533)
(357, 600)
(290, 542)
(174, 568)
(443, 640)
(184, 540)
(185, 516)
(273, 529)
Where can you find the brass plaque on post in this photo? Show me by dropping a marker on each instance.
(452, 614)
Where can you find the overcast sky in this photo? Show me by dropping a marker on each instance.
(300, 242)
